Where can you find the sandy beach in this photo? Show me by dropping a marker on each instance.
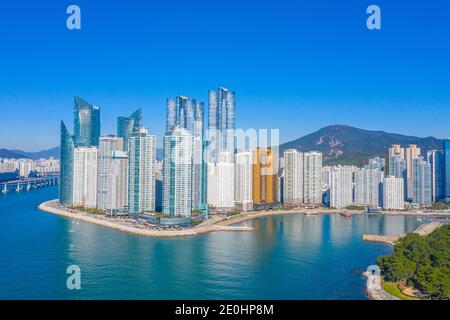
(214, 223)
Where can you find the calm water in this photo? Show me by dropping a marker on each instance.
(286, 257)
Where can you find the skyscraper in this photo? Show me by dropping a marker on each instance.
(67, 146)
(422, 181)
(341, 186)
(447, 168)
(127, 125)
(86, 123)
(221, 122)
(188, 113)
(107, 146)
(177, 172)
(393, 193)
(117, 195)
(368, 184)
(141, 176)
(293, 177)
(265, 176)
(85, 177)
(436, 159)
(243, 179)
(411, 152)
(221, 182)
(312, 177)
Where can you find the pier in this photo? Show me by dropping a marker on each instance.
(28, 184)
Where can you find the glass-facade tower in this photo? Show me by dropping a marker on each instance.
(66, 171)
(447, 168)
(127, 125)
(86, 123)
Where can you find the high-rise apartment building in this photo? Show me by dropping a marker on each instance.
(411, 153)
(422, 181)
(85, 177)
(293, 177)
(436, 160)
(221, 182)
(188, 113)
(368, 184)
(447, 168)
(141, 176)
(393, 193)
(117, 193)
(312, 177)
(243, 178)
(265, 182)
(107, 146)
(177, 172)
(341, 186)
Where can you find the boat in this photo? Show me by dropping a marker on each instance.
(346, 214)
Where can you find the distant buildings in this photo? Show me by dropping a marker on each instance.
(393, 193)
(142, 162)
(177, 172)
(85, 177)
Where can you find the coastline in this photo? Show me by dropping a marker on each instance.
(215, 223)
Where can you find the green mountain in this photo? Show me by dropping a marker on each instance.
(341, 144)
(9, 154)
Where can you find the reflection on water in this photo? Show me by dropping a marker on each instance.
(286, 257)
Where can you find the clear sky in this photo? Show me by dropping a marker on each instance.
(296, 65)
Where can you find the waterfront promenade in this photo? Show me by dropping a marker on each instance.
(214, 223)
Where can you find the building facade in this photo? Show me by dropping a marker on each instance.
(141, 174)
(422, 181)
(221, 122)
(243, 178)
(393, 193)
(177, 172)
(341, 186)
(67, 147)
(86, 123)
(312, 177)
(411, 153)
(293, 177)
(127, 125)
(265, 182)
(85, 177)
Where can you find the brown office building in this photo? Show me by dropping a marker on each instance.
(265, 182)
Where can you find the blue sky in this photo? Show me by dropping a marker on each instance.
(296, 65)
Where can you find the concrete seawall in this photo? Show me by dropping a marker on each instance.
(423, 230)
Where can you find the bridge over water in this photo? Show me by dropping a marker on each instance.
(27, 184)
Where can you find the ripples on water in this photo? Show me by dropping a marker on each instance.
(286, 257)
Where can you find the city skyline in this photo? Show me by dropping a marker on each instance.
(316, 65)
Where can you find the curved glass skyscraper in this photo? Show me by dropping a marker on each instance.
(86, 123)
(66, 171)
(127, 125)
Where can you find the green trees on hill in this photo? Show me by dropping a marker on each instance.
(421, 261)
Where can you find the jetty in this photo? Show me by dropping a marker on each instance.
(423, 230)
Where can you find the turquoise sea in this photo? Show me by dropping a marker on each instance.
(286, 257)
